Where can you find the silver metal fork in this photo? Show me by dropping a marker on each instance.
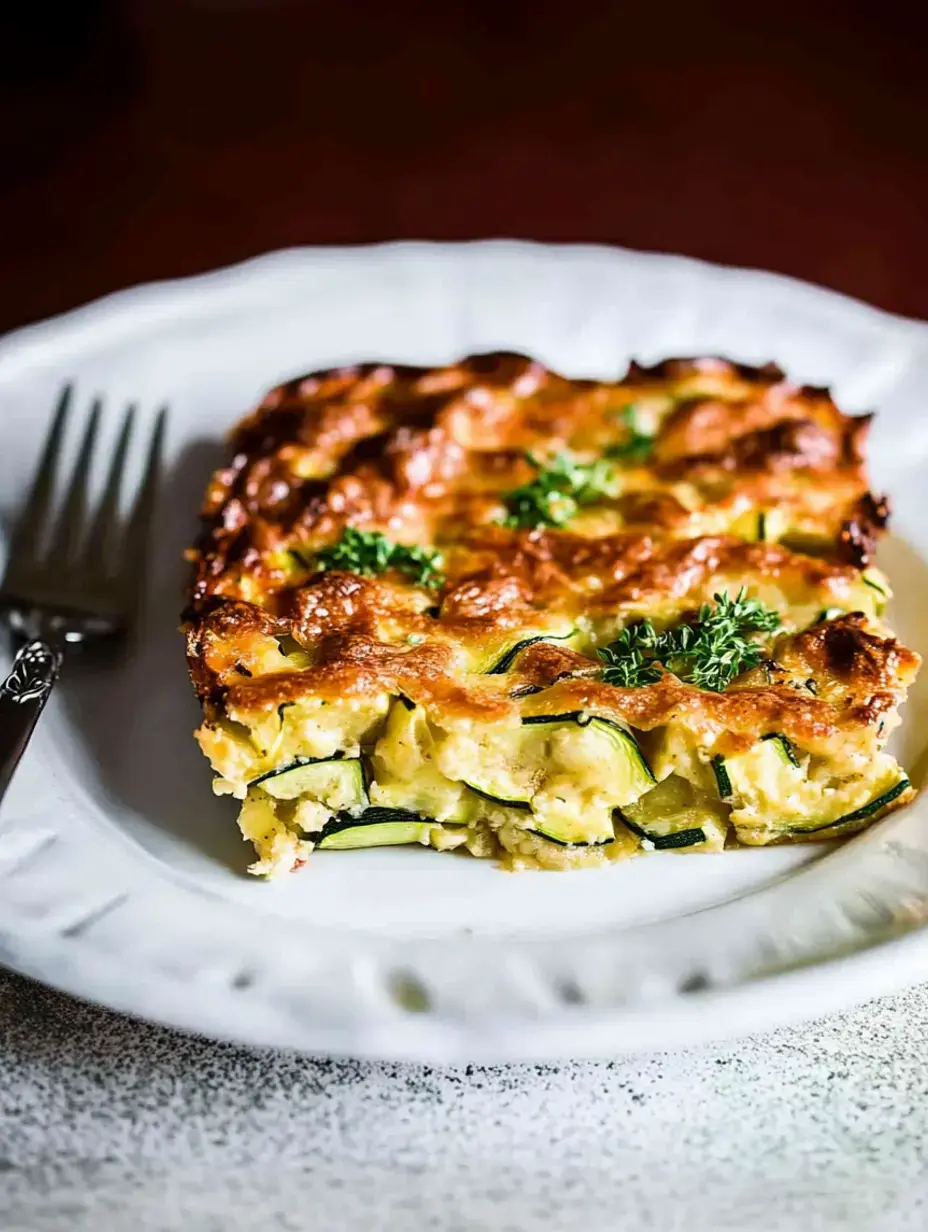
(74, 578)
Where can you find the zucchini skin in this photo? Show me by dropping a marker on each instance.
(294, 765)
(786, 746)
(580, 717)
(723, 782)
(372, 816)
(559, 842)
(861, 814)
(583, 718)
(875, 585)
(726, 792)
(510, 656)
(666, 842)
(379, 816)
(522, 805)
(722, 777)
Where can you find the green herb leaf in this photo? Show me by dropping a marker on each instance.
(719, 650)
(369, 552)
(557, 491)
(637, 446)
(709, 653)
(631, 657)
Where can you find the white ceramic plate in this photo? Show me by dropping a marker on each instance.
(121, 876)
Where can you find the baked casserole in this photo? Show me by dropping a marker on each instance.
(556, 622)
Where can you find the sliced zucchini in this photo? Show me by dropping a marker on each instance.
(335, 781)
(561, 821)
(375, 827)
(859, 814)
(431, 793)
(782, 747)
(505, 773)
(675, 815)
(759, 525)
(504, 664)
(525, 804)
(877, 583)
(572, 842)
(808, 542)
(723, 782)
(770, 525)
(875, 580)
(633, 772)
(616, 732)
(775, 795)
(677, 749)
(774, 750)
(406, 775)
(569, 785)
(830, 613)
(675, 839)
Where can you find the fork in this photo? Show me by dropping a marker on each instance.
(72, 579)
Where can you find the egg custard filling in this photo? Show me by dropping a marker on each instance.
(553, 622)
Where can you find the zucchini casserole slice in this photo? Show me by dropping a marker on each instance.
(555, 622)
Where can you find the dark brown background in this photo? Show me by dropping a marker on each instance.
(154, 138)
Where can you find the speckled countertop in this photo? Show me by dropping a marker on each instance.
(108, 1124)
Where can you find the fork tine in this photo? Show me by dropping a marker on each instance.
(135, 543)
(97, 557)
(33, 520)
(70, 527)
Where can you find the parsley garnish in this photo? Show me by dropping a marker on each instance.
(709, 653)
(369, 552)
(637, 445)
(561, 486)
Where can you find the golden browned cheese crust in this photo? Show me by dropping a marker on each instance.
(747, 480)
(424, 455)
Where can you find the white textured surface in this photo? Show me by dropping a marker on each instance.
(108, 1124)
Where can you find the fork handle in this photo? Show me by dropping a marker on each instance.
(22, 698)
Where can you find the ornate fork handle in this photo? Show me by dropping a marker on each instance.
(22, 698)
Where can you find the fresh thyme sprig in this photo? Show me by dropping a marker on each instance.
(709, 653)
(631, 657)
(716, 649)
(561, 486)
(637, 446)
(370, 552)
